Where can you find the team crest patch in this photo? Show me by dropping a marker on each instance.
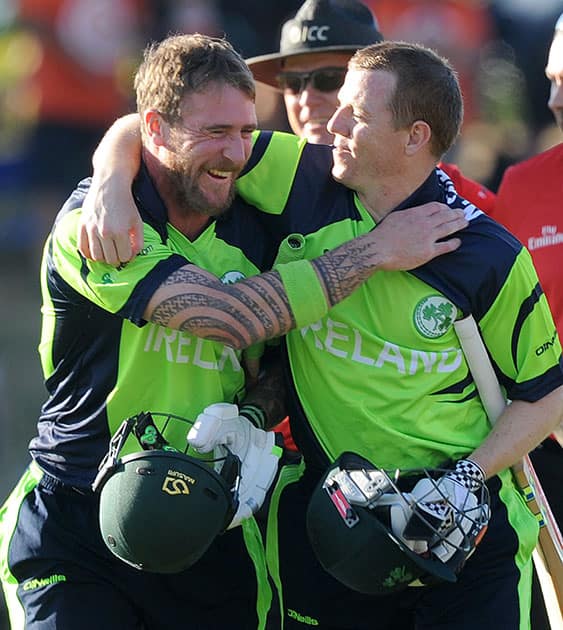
(434, 315)
(232, 276)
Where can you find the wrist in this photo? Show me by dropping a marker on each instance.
(481, 470)
(469, 474)
(379, 258)
(305, 294)
(255, 414)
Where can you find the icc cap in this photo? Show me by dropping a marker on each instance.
(319, 26)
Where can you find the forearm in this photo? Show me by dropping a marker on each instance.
(520, 428)
(344, 269)
(111, 229)
(265, 306)
(119, 152)
(301, 292)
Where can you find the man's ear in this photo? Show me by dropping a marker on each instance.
(420, 134)
(156, 127)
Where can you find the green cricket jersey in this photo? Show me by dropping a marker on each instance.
(102, 362)
(382, 374)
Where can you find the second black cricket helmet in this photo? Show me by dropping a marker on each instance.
(352, 538)
(160, 509)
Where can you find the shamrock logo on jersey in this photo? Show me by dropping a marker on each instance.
(434, 315)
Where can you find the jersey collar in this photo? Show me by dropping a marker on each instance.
(430, 190)
(150, 204)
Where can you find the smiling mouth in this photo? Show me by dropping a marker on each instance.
(217, 174)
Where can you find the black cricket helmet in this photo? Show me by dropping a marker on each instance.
(349, 528)
(160, 509)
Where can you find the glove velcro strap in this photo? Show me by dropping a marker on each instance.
(255, 414)
(468, 474)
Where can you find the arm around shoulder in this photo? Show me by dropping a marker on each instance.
(111, 229)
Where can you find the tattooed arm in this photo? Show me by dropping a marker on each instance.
(300, 292)
(239, 315)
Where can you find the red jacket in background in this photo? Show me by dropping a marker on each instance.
(530, 205)
(474, 192)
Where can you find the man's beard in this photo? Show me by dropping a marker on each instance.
(187, 193)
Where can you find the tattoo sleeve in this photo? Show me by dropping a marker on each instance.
(344, 269)
(238, 315)
(257, 308)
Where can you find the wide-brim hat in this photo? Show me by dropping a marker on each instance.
(319, 26)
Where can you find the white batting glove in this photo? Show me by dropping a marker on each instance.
(220, 425)
(452, 505)
(400, 511)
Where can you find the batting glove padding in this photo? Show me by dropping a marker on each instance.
(219, 426)
(400, 512)
(453, 511)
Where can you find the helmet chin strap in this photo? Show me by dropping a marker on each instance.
(109, 462)
(143, 426)
(147, 433)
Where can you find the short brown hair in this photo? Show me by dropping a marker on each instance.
(427, 88)
(183, 64)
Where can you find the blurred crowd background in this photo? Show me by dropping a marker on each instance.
(66, 69)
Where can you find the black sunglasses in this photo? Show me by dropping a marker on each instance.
(322, 79)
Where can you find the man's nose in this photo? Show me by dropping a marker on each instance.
(237, 150)
(337, 124)
(309, 95)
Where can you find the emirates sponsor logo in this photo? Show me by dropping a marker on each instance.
(549, 236)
